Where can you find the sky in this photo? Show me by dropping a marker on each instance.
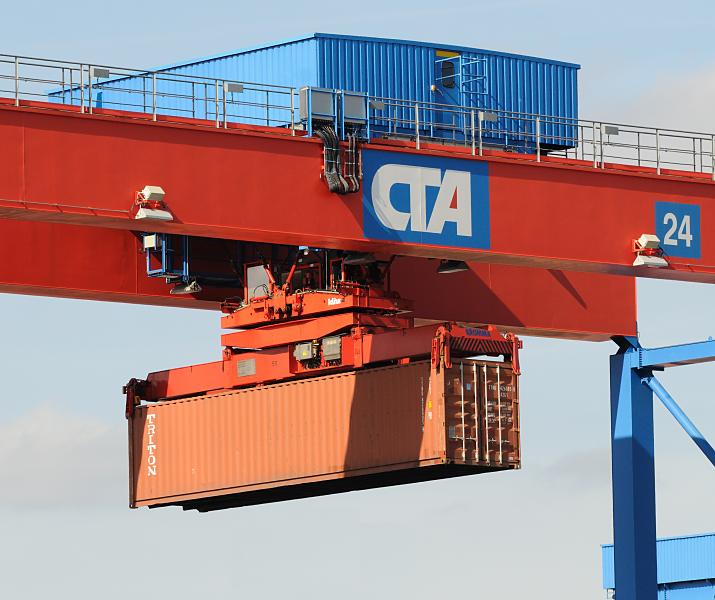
(65, 529)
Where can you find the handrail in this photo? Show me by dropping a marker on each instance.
(223, 101)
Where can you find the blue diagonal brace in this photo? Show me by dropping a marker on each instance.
(680, 417)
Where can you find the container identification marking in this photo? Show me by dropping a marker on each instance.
(678, 227)
(426, 199)
(151, 445)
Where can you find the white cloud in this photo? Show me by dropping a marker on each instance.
(48, 457)
(674, 100)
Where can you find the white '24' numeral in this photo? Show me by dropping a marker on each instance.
(683, 231)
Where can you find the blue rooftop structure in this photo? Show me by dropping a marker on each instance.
(439, 77)
(686, 567)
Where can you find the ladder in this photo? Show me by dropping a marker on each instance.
(473, 81)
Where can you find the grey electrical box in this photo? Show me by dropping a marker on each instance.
(322, 104)
(331, 347)
(305, 351)
(152, 241)
(246, 367)
(354, 108)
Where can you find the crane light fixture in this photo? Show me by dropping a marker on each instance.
(153, 214)
(648, 241)
(153, 193)
(644, 260)
(151, 205)
(648, 252)
(452, 266)
(185, 288)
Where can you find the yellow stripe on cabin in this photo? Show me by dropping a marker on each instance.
(446, 54)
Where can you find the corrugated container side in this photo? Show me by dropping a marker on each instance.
(687, 558)
(406, 71)
(291, 64)
(531, 87)
(383, 69)
(292, 431)
(350, 425)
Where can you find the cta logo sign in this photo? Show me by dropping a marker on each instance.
(425, 199)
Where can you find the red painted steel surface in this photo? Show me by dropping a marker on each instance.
(553, 303)
(278, 334)
(72, 261)
(369, 340)
(327, 428)
(241, 184)
(306, 304)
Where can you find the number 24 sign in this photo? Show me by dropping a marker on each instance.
(678, 227)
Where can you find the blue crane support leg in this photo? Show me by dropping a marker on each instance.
(633, 471)
(632, 388)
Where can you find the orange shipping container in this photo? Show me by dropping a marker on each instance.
(356, 430)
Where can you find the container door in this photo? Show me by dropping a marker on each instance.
(447, 119)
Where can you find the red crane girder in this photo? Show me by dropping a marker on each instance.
(72, 261)
(265, 186)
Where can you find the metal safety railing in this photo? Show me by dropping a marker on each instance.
(219, 102)
(152, 93)
(600, 144)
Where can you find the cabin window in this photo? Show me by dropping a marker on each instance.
(447, 76)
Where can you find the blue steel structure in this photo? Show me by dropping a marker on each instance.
(686, 567)
(632, 449)
(169, 258)
(172, 257)
(407, 71)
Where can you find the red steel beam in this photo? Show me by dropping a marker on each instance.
(71, 261)
(262, 186)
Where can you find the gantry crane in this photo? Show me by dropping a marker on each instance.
(157, 209)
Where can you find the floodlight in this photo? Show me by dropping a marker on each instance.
(648, 241)
(153, 193)
(452, 266)
(649, 260)
(153, 214)
(183, 289)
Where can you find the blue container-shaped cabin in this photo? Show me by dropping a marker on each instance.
(686, 567)
(440, 76)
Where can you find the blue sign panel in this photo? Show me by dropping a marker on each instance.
(678, 227)
(425, 199)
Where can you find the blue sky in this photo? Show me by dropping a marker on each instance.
(64, 525)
